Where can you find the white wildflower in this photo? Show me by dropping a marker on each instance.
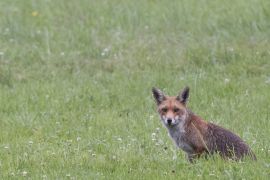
(226, 80)
(105, 51)
(24, 173)
(230, 49)
(267, 81)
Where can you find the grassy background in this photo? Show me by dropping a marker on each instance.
(76, 79)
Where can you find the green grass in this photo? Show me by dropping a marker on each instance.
(76, 79)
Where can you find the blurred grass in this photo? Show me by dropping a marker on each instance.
(76, 78)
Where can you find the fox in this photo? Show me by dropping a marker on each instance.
(195, 136)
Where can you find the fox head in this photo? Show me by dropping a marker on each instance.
(172, 109)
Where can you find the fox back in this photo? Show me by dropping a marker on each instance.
(194, 135)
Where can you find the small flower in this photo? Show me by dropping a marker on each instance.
(160, 141)
(267, 81)
(6, 147)
(113, 157)
(24, 173)
(34, 13)
(105, 51)
(230, 49)
(78, 138)
(119, 139)
(93, 154)
(181, 78)
(246, 93)
(226, 80)
(30, 142)
(154, 134)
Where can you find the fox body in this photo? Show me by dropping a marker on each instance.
(194, 135)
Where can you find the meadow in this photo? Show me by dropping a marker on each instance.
(76, 79)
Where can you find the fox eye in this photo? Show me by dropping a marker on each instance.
(164, 110)
(176, 110)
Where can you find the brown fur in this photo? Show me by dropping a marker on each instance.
(194, 135)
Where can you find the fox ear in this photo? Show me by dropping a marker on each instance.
(158, 95)
(183, 96)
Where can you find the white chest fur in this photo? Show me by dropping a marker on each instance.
(178, 134)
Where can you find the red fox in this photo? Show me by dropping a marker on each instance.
(194, 135)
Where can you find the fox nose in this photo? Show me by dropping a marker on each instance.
(169, 121)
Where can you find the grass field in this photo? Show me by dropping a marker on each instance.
(76, 79)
